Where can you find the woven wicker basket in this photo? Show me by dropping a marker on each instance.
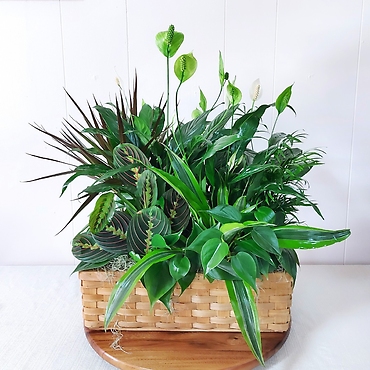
(203, 306)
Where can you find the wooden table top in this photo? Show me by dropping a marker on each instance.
(181, 350)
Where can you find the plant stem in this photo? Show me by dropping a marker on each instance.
(273, 127)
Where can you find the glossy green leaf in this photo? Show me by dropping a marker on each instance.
(306, 237)
(225, 214)
(250, 246)
(283, 99)
(158, 281)
(245, 310)
(213, 252)
(221, 69)
(185, 66)
(202, 101)
(202, 238)
(245, 267)
(128, 281)
(179, 266)
(265, 237)
(265, 214)
(234, 94)
(220, 144)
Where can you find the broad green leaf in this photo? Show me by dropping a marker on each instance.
(223, 271)
(225, 214)
(265, 214)
(129, 280)
(185, 66)
(158, 241)
(168, 42)
(202, 238)
(213, 252)
(283, 99)
(142, 130)
(265, 237)
(234, 94)
(102, 213)
(245, 310)
(252, 247)
(220, 144)
(179, 266)
(288, 261)
(202, 101)
(306, 237)
(158, 281)
(245, 267)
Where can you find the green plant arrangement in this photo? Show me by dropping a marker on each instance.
(178, 198)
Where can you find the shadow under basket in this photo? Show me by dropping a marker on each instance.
(203, 306)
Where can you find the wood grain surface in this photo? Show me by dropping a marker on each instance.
(181, 350)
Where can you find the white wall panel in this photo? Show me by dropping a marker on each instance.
(31, 75)
(358, 248)
(323, 47)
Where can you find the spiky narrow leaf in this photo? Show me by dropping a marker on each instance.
(306, 237)
(245, 310)
(129, 280)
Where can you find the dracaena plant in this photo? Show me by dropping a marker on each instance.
(182, 198)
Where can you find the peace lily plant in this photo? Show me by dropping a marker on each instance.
(178, 198)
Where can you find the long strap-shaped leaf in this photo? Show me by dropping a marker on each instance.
(245, 310)
(128, 281)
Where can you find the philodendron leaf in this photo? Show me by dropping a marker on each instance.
(168, 42)
(102, 213)
(225, 214)
(179, 266)
(213, 252)
(265, 237)
(246, 315)
(245, 267)
(128, 281)
(282, 100)
(265, 214)
(158, 281)
(202, 238)
(185, 66)
(306, 237)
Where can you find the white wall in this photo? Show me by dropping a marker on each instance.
(83, 45)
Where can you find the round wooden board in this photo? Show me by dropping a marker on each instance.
(158, 350)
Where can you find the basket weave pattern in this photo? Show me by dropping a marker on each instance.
(203, 306)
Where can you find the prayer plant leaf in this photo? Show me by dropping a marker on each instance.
(102, 213)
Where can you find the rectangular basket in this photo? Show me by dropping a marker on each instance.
(203, 306)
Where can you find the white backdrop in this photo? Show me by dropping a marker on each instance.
(323, 47)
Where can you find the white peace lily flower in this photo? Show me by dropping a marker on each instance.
(255, 90)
